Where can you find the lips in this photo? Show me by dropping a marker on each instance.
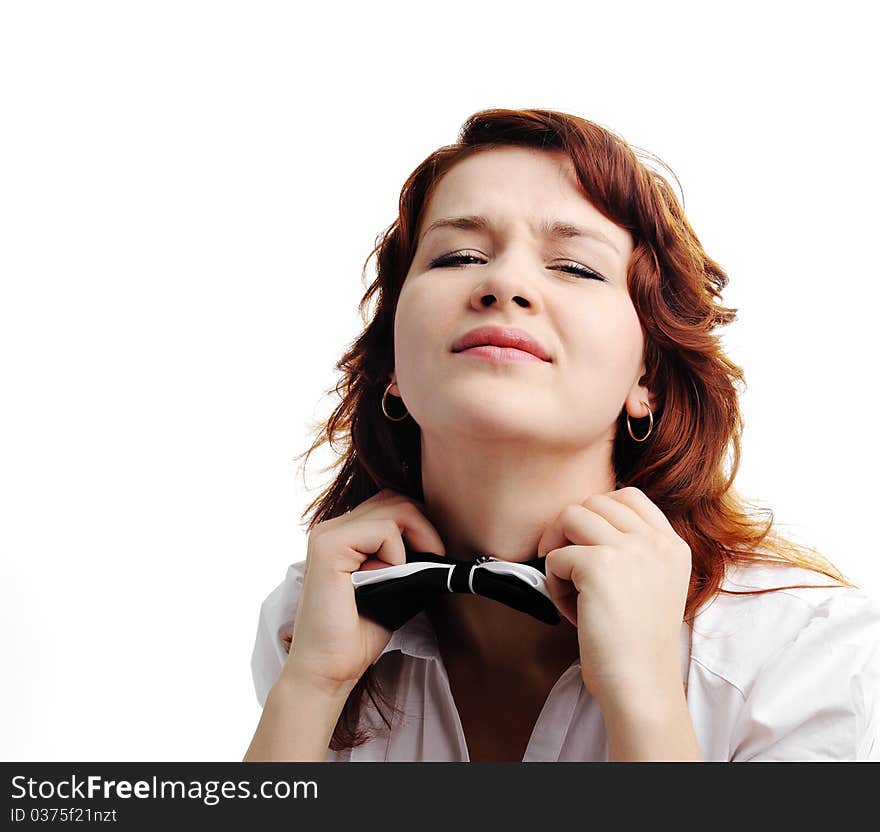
(498, 336)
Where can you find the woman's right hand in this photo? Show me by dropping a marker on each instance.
(332, 645)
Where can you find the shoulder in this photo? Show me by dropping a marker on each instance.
(736, 635)
(798, 669)
(281, 602)
(277, 613)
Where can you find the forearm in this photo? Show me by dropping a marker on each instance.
(655, 726)
(296, 724)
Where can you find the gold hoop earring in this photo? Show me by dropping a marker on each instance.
(385, 411)
(650, 424)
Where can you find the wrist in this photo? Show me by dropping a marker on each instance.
(297, 722)
(647, 700)
(294, 681)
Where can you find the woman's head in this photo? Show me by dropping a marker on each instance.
(645, 335)
(498, 245)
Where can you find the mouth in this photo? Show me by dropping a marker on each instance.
(500, 355)
(505, 343)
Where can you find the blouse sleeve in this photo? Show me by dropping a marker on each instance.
(274, 629)
(818, 696)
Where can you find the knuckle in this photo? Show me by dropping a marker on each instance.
(406, 510)
(569, 513)
(411, 508)
(379, 498)
(602, 555)
(673, 548)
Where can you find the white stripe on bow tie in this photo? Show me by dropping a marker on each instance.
(527, 574)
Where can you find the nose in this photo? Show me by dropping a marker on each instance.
(502, 281)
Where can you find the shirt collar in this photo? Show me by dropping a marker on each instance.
(415, 638)
(418, 638)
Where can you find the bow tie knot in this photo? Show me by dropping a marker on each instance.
(394, 594)
(461, 577)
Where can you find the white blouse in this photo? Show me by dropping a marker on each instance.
(792, 675)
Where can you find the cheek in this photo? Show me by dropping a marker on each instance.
(414, 331)
(604, 339)
(406, 317)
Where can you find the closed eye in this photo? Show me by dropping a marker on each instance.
(459, 260)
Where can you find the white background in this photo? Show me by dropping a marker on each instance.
(188, 192)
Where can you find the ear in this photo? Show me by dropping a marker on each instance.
(633, 405)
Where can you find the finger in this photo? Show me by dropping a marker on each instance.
(346, 547)
(569, 564)
(618, 513)
(379, 539)
(565, 600)
(561, 581)
(578, 525)
(417, 530)
(379, 498)
(389, 530)
(645, 507)
(372, 563)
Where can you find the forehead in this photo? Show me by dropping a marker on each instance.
(518, 184)
(508, 170)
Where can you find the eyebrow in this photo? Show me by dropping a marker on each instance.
(555, 229)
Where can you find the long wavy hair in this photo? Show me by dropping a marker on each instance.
(675, 288)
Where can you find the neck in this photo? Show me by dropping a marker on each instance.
(497, 500)
(494, 641)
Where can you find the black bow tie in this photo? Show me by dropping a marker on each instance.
(392, 595)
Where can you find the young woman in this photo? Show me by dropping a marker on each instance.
(542, 376)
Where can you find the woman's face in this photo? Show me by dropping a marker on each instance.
(518, 276)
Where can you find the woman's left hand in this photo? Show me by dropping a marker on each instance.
(618, 571)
